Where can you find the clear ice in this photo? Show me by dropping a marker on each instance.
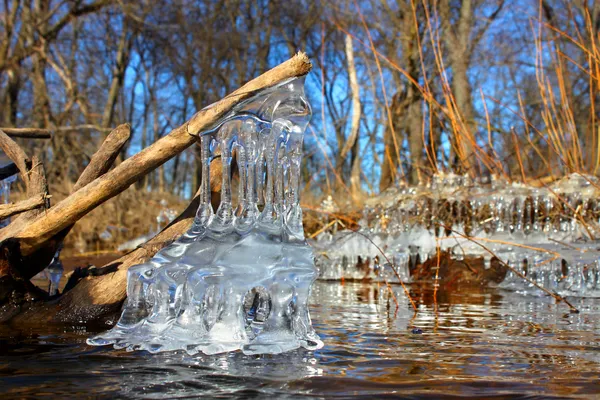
(240, 278)
(5, 195)
(454, 212)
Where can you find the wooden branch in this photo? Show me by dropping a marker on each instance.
(47, 133)
(99, 297)
(73, 208)
(34, 176)
(29, 133)
(15, 153)
(104, 158)
(8, 210)
(8, 171)
(36, 261)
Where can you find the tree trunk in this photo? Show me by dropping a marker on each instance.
(122, 60)
(461, 88)
(353, 143)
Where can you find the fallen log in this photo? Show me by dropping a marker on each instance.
(16, 269)
(98, 297)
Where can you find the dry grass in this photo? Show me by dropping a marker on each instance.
(553, 150)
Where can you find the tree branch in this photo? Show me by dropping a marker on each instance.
(16, 154)
(8, 210)
(29, 133)
(8, 171)
(104, 158)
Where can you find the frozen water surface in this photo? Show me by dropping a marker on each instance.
(240, 278)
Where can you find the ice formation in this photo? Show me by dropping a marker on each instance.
(5, 195)
(453, 212)
(240, 278)
(53, 272)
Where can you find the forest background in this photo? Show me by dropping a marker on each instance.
(399, 90)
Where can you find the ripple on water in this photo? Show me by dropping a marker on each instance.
(463, 344)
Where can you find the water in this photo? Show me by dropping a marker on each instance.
(469, 344)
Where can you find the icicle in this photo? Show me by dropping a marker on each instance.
(235, 281)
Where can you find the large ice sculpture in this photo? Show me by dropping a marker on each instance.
(240, 278)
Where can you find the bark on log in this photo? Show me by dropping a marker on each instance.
(10, 209)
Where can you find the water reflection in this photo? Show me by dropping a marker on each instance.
(458, 344)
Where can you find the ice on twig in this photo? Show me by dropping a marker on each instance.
(240, 278)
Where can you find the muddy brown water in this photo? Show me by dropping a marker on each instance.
(492, 344)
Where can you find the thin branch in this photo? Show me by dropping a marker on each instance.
(10, 209)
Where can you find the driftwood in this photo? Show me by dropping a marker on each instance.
(10, 209)
(15, 268)
(99, 296)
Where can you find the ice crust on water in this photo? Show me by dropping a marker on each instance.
(409, 223)
(240, 278)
